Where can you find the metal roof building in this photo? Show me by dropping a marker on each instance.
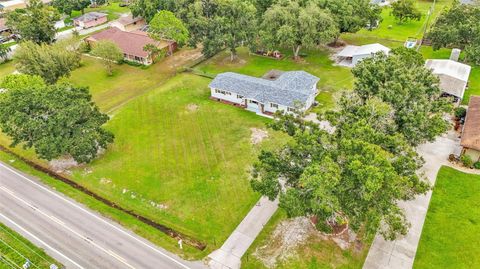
(453, 75)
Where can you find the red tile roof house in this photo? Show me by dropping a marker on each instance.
(90, 19)
(132, 44)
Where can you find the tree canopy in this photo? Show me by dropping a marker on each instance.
(352, 15)
(293, 25)
(67, 6)
(458, 27)
(165, 25)
(21, 81)
(50, 62)
(357, 172)
(148, 8)
(109, 52)
(405, 10)
(55, 120)
(412, 90)
(36, 22)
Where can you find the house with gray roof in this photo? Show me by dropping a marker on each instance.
(276, 90)
(90, 19)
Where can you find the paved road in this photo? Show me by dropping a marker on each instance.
(71, 233)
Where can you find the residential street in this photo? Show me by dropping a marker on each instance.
(71, 233)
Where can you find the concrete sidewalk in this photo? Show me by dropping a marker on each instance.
(400, 254)
(230, 254)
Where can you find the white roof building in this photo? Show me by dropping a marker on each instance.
(351, 55)
(453, 76)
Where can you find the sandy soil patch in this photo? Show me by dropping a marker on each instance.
(192, 107)
(285, 240)
(258, 135)
(62, 165)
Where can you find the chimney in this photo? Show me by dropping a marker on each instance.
(455, 54)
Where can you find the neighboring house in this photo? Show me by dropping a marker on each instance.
(453, 76)
(471, 130)
(351, 55)
(132, 44)
(90, 19)
(129, 23)
(277, 90)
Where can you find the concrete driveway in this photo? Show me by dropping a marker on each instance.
(400, 254)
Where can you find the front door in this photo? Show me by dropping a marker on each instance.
(253, 105)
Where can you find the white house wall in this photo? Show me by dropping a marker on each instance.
(232, 97)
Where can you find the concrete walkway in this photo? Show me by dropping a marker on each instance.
(230, 254)
(400, 254)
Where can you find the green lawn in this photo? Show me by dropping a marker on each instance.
(451, 234)
(389, 29)
(178, 158)
(317, 62)
(112, 9)
(189, 162)
(6, 68)
(315, 254)
(473, 85)
(14, 250)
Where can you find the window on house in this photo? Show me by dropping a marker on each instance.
(252, 102)
(239, 96)
(273, 105)
(291, 109)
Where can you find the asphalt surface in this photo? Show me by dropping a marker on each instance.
(70, 232)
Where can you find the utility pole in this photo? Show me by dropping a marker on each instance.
(430, 13)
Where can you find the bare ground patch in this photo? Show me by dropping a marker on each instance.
(62, 165)
(295, 237)
(258, 135)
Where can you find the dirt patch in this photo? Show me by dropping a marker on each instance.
(285, 240)
(290, 237)
(105, 181)
(192, 107)
(258, 135)
(62, 165)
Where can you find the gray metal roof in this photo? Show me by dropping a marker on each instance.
(289, 88)
(90, 16)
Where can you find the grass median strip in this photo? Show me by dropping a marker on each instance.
(15, 250)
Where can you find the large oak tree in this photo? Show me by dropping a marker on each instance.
(291, 24)
(56, 121)
(36, 22)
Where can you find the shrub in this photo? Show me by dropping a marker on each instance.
(466, 160)
(460, 112)
(476, 165)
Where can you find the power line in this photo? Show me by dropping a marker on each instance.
(24, 244)
(8, 262)
(16, 251)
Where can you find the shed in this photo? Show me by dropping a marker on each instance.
(351, 55)
(453, 76)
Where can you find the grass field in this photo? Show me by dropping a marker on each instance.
(317, 62)
(451, 234)
(112, 9)
(316, 253)
(180, 159)
(15, 250)
(389, 29)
